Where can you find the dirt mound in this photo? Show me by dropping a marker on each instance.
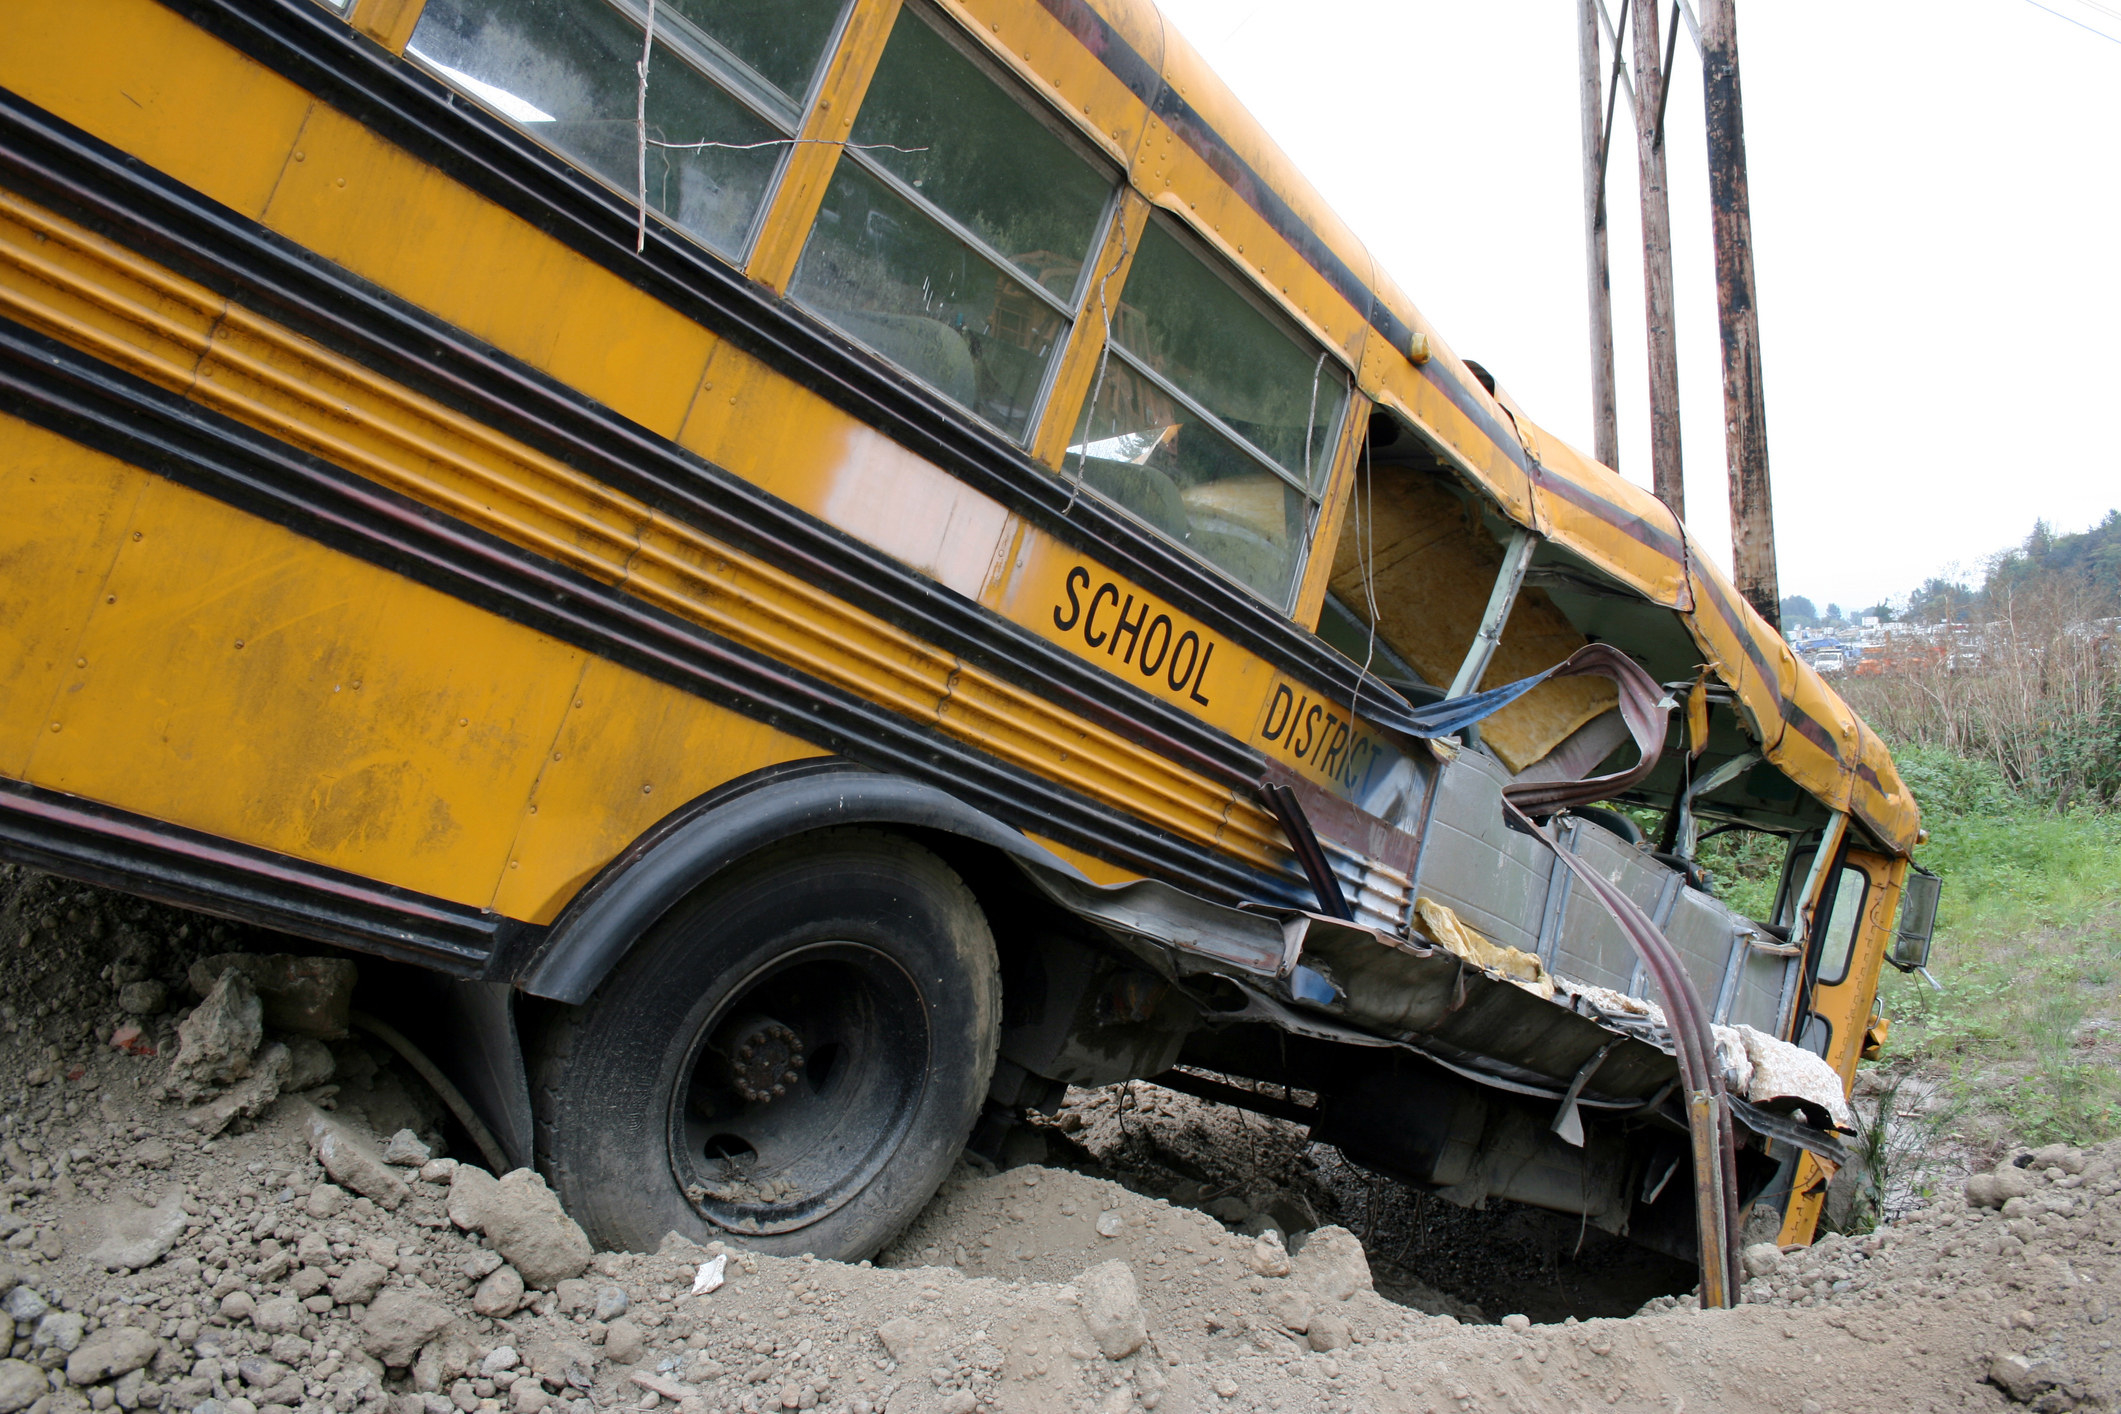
(148, 1266)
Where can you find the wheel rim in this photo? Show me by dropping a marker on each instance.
(798, 1087)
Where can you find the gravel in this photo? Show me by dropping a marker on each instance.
(289, 1288)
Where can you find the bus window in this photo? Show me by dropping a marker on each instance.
(563, 71)
(955, 231)
(1841, 925)
(781, 42)
(1210, 421)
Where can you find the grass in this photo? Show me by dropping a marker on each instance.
(2026, 1030)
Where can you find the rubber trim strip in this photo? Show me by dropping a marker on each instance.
(81, 398)
(150, 213)
(98, 844)
(394, 98)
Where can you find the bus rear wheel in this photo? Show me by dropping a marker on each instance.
(793, 1056)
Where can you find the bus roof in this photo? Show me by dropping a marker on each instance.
(1190, 146)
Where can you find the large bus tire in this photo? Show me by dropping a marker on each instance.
(792, 1057)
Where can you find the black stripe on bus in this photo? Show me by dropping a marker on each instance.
(417, 112)
(1643, 532)
(1819, 733)
(148, 212)
(98, 844)
(81, 398)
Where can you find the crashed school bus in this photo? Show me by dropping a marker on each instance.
(926, 569)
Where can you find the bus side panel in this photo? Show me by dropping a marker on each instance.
(66, 516)
(223, 673)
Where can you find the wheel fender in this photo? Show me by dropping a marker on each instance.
(695, 843)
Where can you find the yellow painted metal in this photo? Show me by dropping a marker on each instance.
(238, 678)
(1075, 380)
(1340, 489)
(810, 166)
(389, 23)
(136, 75)
(628, 751)
(380, 212)
(234, 677)
(148, 82)
(66, 516)
(263, 374)
(1846, 1007)
(1800, 1219)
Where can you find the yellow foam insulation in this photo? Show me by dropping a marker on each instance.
(1451, 933)
(1434, 570)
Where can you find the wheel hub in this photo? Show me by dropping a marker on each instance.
(765, 1058)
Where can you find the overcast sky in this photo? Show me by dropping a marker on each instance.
(1936, 202)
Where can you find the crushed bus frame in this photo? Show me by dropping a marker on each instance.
(978, 585)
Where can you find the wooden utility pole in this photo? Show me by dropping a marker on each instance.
(1605, 405)
(1652, 84)
(1744, 399)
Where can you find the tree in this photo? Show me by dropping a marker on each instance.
(1940, 601)
(1798, 612)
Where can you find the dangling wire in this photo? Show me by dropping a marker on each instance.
(1311, 418)
(784, 142)
(640, 133)
(1104, 358)
(1366, 557)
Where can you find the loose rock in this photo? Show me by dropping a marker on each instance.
(398, 1323)
(406, 1150)
(1331, 1264)
(358, 1284)
(1329, 1331)
(350, 1161)
(216, 1042)
(1112, 1309)
(145, 998)
(527, 1226)
(138, 1237)
(623, 1342)
(1268, 1257)
(247, 1098)
(109, 1353)
(21, 1385)
(306, 996)
(499, 1294)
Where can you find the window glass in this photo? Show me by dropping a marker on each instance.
(1187, 323)
(981, 158)
(1208, 421)
(1841, 925)
(783, 41)
(563, 70)
(882, 270)
(958, 259)
(1149, 451)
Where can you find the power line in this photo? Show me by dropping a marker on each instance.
(2077, 22)
(2103, 9)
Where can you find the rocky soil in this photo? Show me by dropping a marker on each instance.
(213, 1201)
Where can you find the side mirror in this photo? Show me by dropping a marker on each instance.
(1918, 919)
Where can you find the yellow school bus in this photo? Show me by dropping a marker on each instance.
(824, 569)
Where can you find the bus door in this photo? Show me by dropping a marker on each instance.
(1856, 910)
